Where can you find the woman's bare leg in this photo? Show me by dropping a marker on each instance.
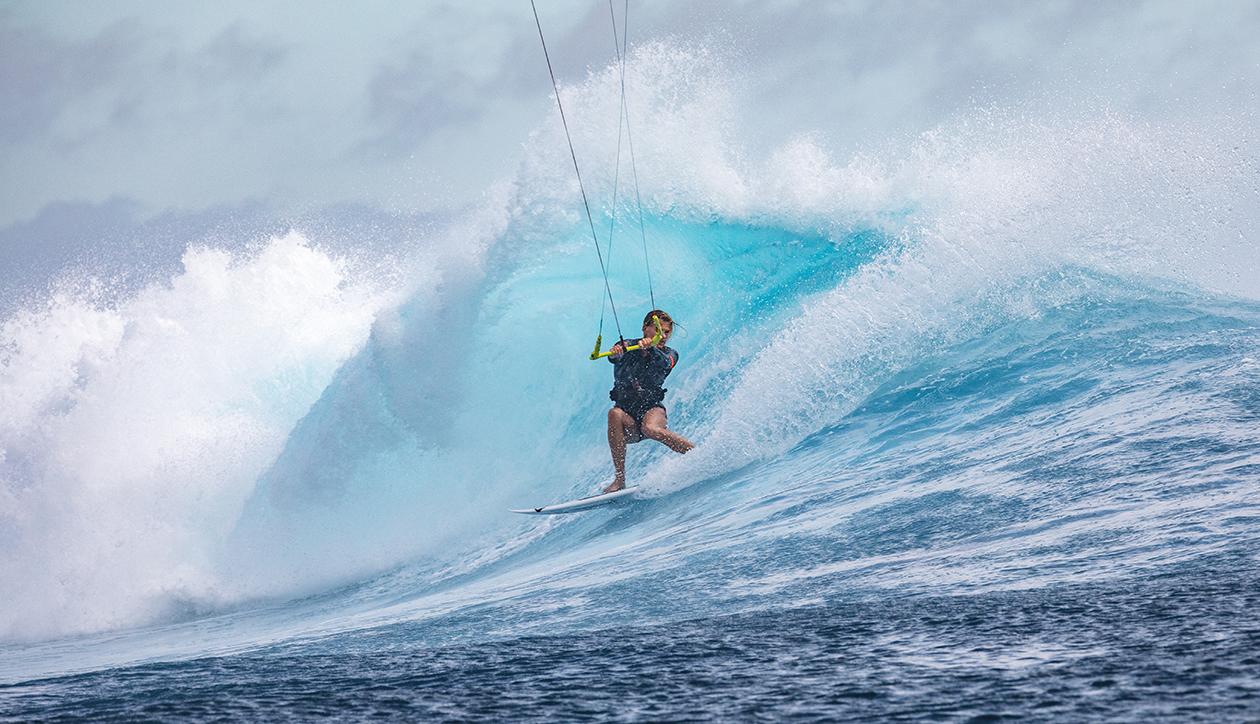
(654, 427)
(622, 430)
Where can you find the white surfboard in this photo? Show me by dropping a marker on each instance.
(574, 506)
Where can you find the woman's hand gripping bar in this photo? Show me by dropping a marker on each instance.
(655, 338)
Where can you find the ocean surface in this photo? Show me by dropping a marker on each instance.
(976, 416)
(1177, 646)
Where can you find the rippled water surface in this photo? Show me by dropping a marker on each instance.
(1181, 646)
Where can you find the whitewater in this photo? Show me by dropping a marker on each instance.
(975, 409)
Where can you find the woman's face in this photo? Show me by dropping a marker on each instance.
(667, 329)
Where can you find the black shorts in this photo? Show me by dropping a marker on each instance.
(636, 403)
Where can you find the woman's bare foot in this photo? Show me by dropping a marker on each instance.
(617, 484)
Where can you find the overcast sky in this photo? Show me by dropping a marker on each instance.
(132, 109)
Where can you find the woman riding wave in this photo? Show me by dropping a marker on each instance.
(638, 376)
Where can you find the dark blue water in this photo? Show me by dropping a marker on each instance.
(1180, 645)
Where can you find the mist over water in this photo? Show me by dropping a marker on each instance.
(1015, 352)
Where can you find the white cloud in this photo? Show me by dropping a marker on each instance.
(417, 106)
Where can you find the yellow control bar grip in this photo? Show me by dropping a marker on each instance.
(655, 338)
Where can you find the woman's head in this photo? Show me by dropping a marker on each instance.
(667, 325)
(663, 316)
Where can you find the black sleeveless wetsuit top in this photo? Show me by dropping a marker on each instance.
(638, 377)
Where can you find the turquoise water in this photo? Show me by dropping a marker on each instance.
(1005, 372)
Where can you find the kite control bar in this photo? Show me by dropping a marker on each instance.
(655, 338)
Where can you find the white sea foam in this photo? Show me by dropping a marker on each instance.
(133, 435)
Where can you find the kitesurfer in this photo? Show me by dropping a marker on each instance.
(637, 378)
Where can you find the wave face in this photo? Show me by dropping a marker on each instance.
(1016, 352)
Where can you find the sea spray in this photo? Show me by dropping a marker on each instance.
(133, 434)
